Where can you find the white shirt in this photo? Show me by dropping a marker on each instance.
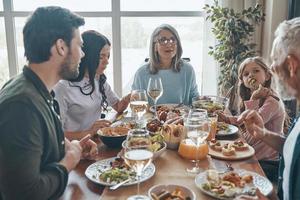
(288, 151)
(78, 111)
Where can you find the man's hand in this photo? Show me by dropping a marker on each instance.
(72, 154)
(253, 123)
(89, 148)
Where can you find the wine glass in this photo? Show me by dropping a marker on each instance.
(155, 90)
(138, 156)
(138, 105)
(197, 126)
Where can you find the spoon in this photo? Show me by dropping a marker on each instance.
(119, 184)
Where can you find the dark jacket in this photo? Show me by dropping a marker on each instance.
(31, 141)
(294, 182)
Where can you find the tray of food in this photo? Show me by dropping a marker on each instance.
(230, 150)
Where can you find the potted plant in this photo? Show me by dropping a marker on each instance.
(233, 31)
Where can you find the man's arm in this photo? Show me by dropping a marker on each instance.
(23, 175)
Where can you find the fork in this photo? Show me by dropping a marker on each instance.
(119, 184)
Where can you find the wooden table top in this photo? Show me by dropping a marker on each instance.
(80, 188)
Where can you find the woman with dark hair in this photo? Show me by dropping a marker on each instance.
(178, 77)
(82, 99)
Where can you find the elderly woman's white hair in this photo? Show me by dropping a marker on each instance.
(287, 41)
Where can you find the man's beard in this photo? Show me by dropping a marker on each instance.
(68, 71)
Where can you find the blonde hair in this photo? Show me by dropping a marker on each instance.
(244, 92)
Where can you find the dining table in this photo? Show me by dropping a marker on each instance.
(170, 168)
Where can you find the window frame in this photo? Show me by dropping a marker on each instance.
(116, 14)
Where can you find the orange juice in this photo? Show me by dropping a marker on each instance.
(213, 128)
(187, 149)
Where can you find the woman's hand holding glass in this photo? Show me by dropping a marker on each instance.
(137, 155)
(155, 90)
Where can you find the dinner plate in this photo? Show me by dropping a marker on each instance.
(182, 108)
(260, 182)
(239, 155)
(231, 130)
(94, 171)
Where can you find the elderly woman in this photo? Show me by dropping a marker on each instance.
(178, 77)
(82, 99)
(286, 64)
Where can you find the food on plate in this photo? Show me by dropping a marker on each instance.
(229, 184)
(239, 145)
(117, 172)
(215, 145)
(222, 126)
(113, 131)
(156, 142)
(177, 194)
(228, 150)
(209, 105)
(154, 125)
(187, 149)
(165, 113)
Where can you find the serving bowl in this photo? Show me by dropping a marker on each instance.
(113, 136)
(210, 103)
(156, 154)
(172, 189)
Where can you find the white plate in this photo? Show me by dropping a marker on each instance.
(230, 131)
(183, 108)
(262, 183)
(94, 170)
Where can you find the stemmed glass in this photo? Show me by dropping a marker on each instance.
(138, 156)
(197, 125)
(139, 104)
(155, 90)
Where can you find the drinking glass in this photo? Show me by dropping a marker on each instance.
(155, 90)
(197, 126)
(138, 105)
(138, 156)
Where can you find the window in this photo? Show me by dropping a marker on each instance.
(127, 23)
(4, 72)
(136, 34)
(75, 5)
(161, 5)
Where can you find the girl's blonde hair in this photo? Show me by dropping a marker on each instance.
(245, 92)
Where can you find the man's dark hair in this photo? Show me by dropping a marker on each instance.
(44, 27)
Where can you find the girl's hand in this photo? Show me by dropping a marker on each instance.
(222, 117)
(261, 92)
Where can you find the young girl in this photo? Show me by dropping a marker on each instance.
(256, 94)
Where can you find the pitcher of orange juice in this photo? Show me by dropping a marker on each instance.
(188, 149)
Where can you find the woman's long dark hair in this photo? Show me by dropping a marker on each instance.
(93, 42)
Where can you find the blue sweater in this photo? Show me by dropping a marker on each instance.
(179, 87)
